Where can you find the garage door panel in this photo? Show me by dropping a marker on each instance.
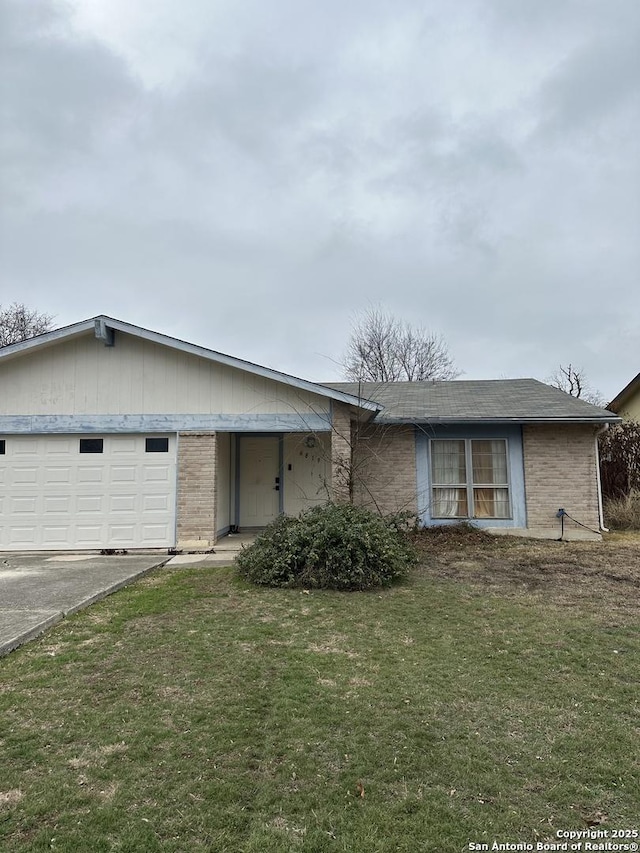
(57, 475)
(123, 503)
(56, 503)
(120, 534)
(22, 505)
(22, 536)
(90, 535)
(155, 503)
(57, 534)
(114, 499)
(23, 447)
(125, 447)
(22, 475)
(60, 447)
(89, 504)
(153, 532)
(124, 474)
(156, 473)
(90, 474)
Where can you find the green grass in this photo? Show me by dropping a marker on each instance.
(493, 695)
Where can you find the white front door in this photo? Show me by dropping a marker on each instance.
(259, 489)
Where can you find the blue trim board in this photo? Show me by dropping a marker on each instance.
(236, 501)
(271, 423)
(513, 434)
(281, 474)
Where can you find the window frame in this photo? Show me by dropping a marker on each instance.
(151, 439)
(3, 447)
(469, 486)
(85, 450)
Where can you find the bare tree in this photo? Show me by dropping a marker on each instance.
(383, 348)
(18, 323)
(620, 459)
(572, 380)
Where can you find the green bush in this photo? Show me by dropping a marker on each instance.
(336, 546)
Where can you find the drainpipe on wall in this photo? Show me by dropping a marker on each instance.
(598, 482)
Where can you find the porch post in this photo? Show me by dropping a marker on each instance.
(196, 510)
(341, 454)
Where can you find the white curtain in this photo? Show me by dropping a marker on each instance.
(489, 461)
(448, 471)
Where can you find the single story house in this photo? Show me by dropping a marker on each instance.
(114, 436)
(627, 402)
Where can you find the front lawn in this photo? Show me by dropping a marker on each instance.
(494, 695)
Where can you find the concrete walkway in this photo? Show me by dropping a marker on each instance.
(38, 590)
(224, 552)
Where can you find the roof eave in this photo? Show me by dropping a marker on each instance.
(85, 326)
(451, 421)
(49, 337)
(629, 389)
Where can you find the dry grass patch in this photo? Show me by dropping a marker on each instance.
(10, 798)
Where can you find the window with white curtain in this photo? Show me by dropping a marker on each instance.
(469, 478)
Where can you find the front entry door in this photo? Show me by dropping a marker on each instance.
(259, 469)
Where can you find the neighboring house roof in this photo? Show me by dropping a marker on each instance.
(467, 401)
(620, 401)
(104, 326)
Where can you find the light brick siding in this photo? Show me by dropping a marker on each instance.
(560, 472)
(196, 523)
(385, 469)
(373, 465)
(340, 451)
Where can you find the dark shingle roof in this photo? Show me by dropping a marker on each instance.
(506, 400)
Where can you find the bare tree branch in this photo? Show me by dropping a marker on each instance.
(572, 380)
(385, 349)
(18, 323)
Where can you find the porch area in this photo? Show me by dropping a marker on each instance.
(232, 484)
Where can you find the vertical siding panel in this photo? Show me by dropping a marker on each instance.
(222, 389)
(82, 376)
(171, 382)
(68, 402)
(88, 380)
(54, 396)
(133, 363)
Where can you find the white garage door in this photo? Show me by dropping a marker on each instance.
(69, 491)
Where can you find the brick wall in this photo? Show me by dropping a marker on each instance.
(560, 471)
(196, 522)
(385, 469)
(382, 469)
(340, 451)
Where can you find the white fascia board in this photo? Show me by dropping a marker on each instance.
(192, 349)
(47, 338)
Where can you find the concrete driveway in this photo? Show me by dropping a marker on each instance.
(38, 590)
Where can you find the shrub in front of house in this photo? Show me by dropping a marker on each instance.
(335, 546)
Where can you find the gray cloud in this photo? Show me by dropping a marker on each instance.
(248, 177)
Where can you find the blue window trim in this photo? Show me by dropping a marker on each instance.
(513, 436)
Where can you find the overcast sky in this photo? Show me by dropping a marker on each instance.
(247, 175)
